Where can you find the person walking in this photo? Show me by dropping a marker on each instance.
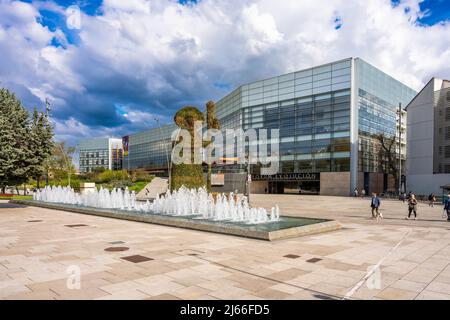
(375, 205)
(363, 193)
(409, 195)
(447, 207)
(412, 207)
(355, 193)
(431, 200)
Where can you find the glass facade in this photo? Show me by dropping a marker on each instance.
(314, 131)
(149, 149)
(378, 98)
(327, 116)
(100, 153)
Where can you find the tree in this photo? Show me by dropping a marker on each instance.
(185, 174)
(60, 164)
(15, 152)
(389, 156)
(25, 144)
(42, 144)
(212, 123)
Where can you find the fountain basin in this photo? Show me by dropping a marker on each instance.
(286, 227)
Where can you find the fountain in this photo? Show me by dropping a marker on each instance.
(185, 208)
(183, 202)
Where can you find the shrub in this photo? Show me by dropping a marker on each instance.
(188, 175)
(141, 175)
(111, 175)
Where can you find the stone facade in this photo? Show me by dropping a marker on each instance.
(335, 183)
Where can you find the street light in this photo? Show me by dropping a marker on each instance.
(399, 148)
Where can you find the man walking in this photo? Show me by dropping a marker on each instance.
(375, 204)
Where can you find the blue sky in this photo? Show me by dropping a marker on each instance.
(132, 61)
(436, 11)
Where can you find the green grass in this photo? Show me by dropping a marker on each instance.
(16, 197)
(138, 186)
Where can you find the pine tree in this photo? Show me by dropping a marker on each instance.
(14, 143)
(24, 145)
(41, 144)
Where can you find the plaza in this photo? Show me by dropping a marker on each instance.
(120, 259)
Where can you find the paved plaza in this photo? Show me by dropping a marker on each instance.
(41, 250)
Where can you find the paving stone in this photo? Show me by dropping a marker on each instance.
(34, 257)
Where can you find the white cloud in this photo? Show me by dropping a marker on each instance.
(158, 55)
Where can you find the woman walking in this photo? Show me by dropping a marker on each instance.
(412, 207)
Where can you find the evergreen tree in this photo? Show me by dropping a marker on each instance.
(41, 144)
(24, 144)
(14, 144)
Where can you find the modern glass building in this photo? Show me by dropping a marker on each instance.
(100, 153)
(328, 117)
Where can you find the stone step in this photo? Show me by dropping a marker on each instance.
(156, 187)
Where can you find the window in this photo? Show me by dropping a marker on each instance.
(287, 166)
(341, 164)
(323, 165)
(305, 165)
(447, 152)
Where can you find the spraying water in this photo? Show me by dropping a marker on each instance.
(183, 202)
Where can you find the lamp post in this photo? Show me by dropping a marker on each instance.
(399, 148)
(249, 178)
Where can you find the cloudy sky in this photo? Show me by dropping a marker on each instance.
(123, 63)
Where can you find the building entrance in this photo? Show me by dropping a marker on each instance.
(292, 183)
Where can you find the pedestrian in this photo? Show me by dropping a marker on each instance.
(447, 207)
(412, 207)
(404, 197)
(431, 200)
(375, 205)
(355, 192)
(363, 193)
(409, 195)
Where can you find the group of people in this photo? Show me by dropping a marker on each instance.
(375, 204)
(356, 193)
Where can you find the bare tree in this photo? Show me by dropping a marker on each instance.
(389, 156)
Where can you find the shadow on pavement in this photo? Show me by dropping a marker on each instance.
(7, 205)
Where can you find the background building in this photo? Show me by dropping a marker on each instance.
(100, 153)
(329, 118)
(150, 150)
(428, 165)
